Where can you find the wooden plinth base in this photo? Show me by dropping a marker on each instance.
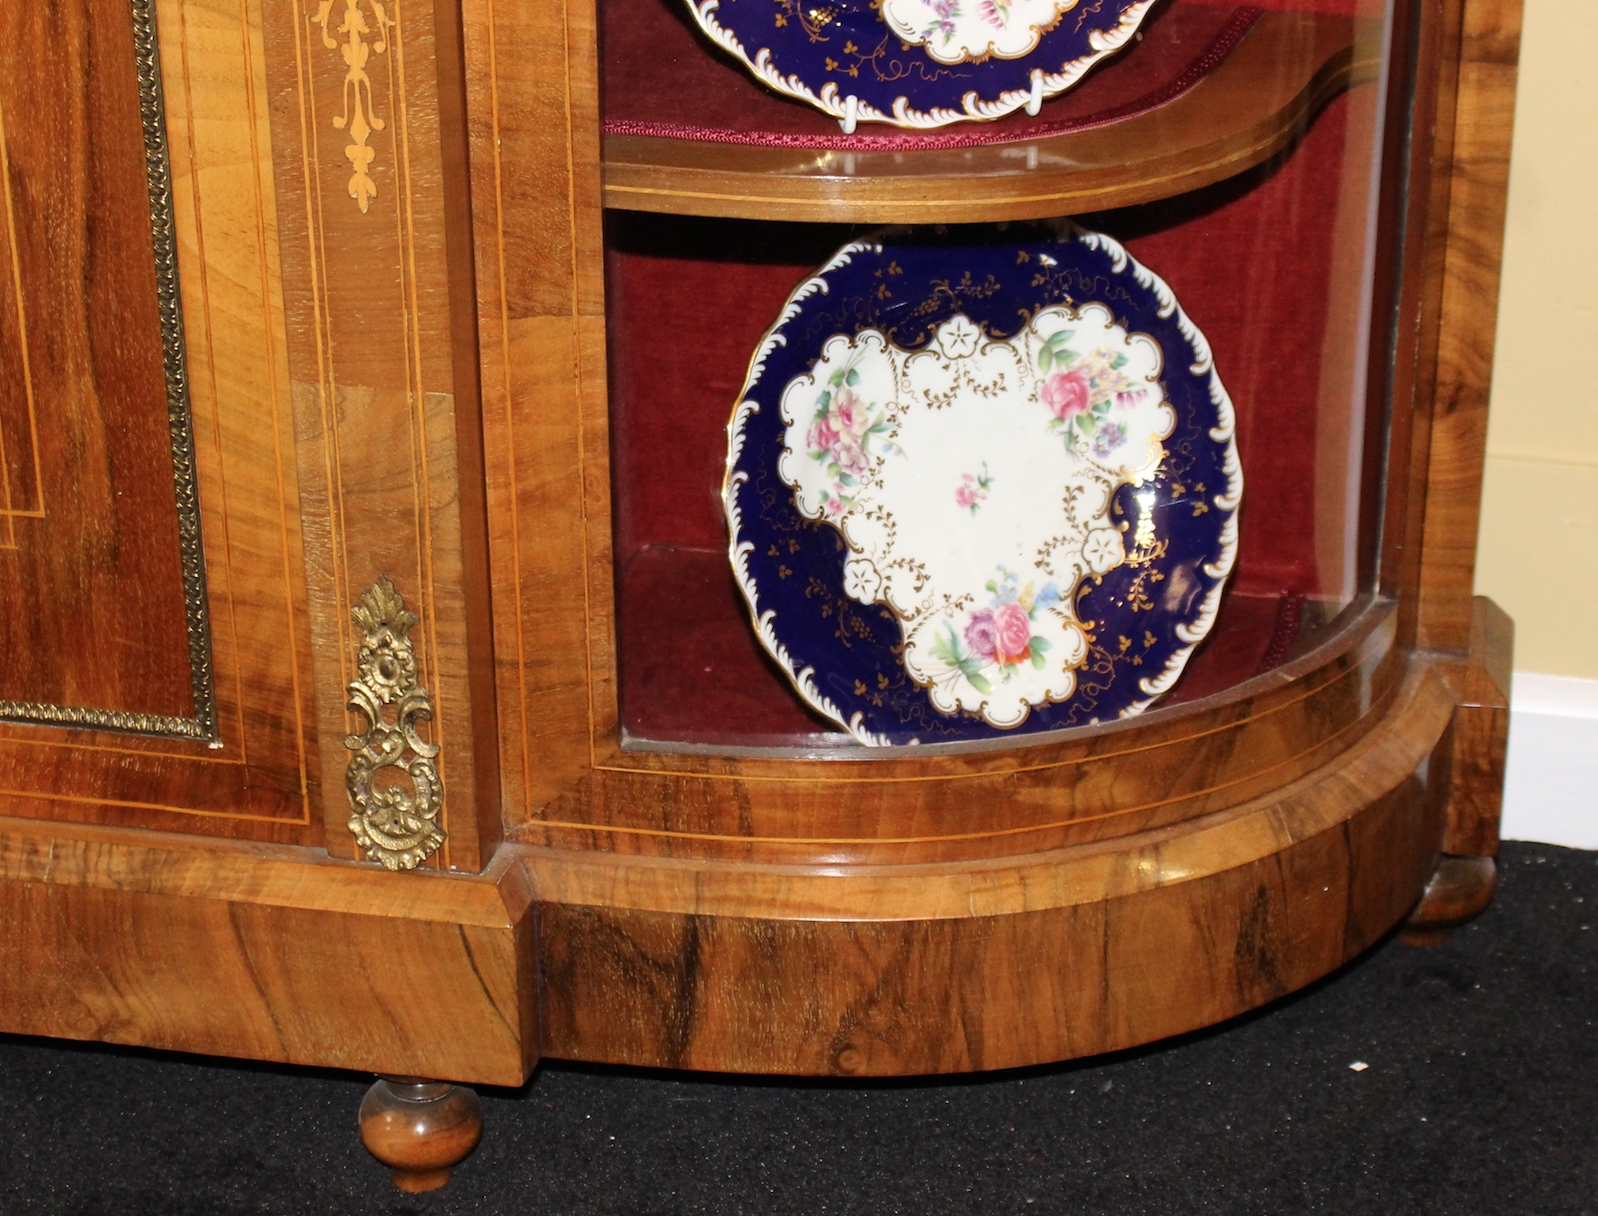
(831, 967)
(420, 1129)
(998, 962)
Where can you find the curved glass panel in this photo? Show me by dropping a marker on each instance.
(1281, 265)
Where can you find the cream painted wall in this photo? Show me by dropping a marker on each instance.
(1538, 552)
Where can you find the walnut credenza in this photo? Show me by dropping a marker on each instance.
(326, 725)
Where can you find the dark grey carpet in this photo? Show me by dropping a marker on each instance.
(1481, 1097)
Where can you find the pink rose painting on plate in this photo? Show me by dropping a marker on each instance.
(1086, 393)
(1067, 394)
(845, 436)
(973, 489)
(953, 516)
(999, 636)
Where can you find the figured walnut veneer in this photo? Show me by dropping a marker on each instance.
(750, 966)
(95, 627)
(1065, 953)
(937, 804)
(418, 390)
(264, 953)
(92, 587)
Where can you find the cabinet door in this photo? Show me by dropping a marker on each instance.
(234, 325)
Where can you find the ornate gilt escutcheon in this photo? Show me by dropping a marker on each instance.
(393, 784)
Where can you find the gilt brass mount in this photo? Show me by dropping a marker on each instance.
(394, 816)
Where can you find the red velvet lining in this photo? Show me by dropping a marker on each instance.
(1254, 272)
(1289, 619)
(1152, 70)
(660, 76)
(693, 671)
(1250, 260)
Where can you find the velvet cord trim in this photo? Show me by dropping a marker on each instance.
(1289, 617)
(1224, 43)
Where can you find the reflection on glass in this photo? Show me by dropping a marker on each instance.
(1278, 267)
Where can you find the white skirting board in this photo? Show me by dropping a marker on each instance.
(1551, 789)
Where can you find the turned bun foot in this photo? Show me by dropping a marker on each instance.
(1460, 890)
(420, 1129)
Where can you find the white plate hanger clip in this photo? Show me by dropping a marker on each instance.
(1034, 105)
(851, 114)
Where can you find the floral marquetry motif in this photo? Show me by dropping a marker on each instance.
(396, 825)
(358, 117)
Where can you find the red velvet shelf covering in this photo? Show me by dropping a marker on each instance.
(661, 77)
(689, 299)
(693, 671)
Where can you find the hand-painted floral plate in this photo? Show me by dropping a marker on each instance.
(978, 489)
(920, 63)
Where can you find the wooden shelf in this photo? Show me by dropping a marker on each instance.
(1253, 105)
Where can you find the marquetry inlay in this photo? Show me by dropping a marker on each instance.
(359, 118)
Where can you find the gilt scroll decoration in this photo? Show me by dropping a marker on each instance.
(392, 778)
(360, 116)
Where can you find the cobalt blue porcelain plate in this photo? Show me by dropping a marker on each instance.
(982, 489)
(920, 63)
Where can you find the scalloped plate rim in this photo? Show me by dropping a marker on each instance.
(1227, 501)
(830, 102)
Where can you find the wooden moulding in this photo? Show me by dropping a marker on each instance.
(1467, 256)
(1479, 742)
(930, 804)
(1467, 61)
(1254, 104)
(265, 953)
(278, 953)
(983, 965)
